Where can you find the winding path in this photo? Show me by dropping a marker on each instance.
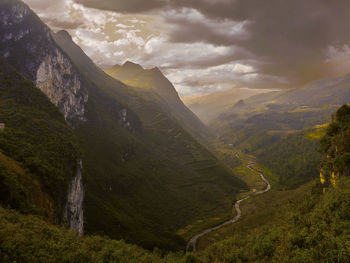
(193, 241)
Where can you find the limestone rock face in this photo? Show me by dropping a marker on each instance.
(23, 37)
(57, 79)
(74, 214)
(123, 119)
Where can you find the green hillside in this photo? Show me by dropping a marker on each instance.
(154, 81)
(38, 151)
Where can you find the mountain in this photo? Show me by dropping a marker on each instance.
(209, 107)
(23, 36)
(142, 174)
(39, 159)
(153, 80)
(240, 104)
(322, 93)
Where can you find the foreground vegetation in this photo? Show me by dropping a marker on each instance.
(314, 230)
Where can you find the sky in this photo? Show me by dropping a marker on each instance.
(204, 46)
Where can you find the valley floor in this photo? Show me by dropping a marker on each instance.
(252, 174)
(253, 210)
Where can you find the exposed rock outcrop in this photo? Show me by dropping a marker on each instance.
(57, 79)
(123, 119)
(28, 45)
(74, 213)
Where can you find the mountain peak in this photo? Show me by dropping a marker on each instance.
(131, 65)
(156, 70)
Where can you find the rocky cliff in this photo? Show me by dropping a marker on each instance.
(28, 45)
(74, 213)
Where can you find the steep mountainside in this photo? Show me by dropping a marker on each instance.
(155, 86)
(39, 153)
(140, 166)
(153, 80)
(23, 36)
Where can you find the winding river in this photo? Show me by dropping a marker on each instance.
(193, 241)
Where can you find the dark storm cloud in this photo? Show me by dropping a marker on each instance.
(291, 37)
(288, 37)
(216, 32)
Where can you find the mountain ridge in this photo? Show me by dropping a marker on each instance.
(153, 80)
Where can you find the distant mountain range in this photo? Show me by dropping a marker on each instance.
(282, 128)
(209, 107)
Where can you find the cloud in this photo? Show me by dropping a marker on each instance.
(199, 42)
(198, 81)
(190, 26)
(338, 59)
(287, 37)
(107, 37)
